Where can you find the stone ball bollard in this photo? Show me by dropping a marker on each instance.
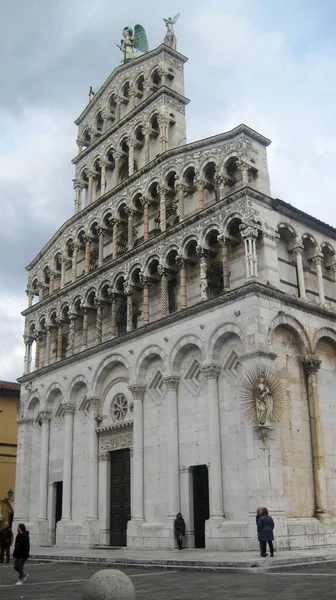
(109, 584)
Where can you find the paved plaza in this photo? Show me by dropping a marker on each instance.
(56, 581)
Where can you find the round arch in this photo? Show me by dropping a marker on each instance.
(183, 344)
(295, 326)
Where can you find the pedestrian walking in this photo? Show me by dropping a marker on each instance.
(6, 540)
(179, 528)
(265, 532)
(21, 552)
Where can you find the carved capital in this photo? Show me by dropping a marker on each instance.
(311, 364)
(138, 391)
(94, 405)
(44, 416)
(210, 371)
(171, 382)
(128, 288)
(248, 231)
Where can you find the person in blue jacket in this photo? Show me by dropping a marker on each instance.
(265, 532)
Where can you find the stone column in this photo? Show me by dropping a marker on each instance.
(138, 392)
(224, 243)
(298, 251)
(173, 447)
(333, 268)
(180, 188)
(37, 351)
(131, 146)
(69, 411)
(183, 286)
(85, 328)
(103, 164)
(215, 472)
(115, 226)
(163, 124)
(64, 262)
(99, 322)
(128, 289)
(130, 214)
(80, 142)
(78, 196)
(94, 410)
(249, 235)
(74, 263)
(113, 297)
(59, 340)
(203, 272)
(72, 329)
(101, 234)
(164, 290)
(44, 417)
(27, 343)
(163, 217)
(23, 466)
(145, 131)
(244, 169)
(47, 348)
(145, 203)
(87, 241)
(200, 185)
(117, 157)
(317, 260)
(145, 284)
(52, 282)
(311, 366)
(90, 188)
(30, 297)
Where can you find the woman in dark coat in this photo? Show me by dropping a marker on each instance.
(179, 529)
(265, 532)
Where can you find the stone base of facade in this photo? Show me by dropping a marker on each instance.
(141, 534)
(72, 535)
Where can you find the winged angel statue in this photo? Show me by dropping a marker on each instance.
(170, 37)
(133, 41)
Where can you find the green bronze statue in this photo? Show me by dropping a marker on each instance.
(132, 42)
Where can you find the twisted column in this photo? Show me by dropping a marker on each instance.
(131, 147)
(311, 366)
(163, 216)
(211, 373)
(173, 447)
(145, 131)
(138, 392)
(145, 283)
(164, 290)
(115, 226)
(180, 189)
(103, 164)
(44, 419)
(72, 329)
(69, 411)
(203, 272)
(99, 322)
(100, 246)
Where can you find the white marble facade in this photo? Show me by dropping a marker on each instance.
(146, 310)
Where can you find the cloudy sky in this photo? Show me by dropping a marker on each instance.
(269, 64)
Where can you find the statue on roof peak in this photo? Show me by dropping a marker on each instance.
(170, 37)
(133, 41)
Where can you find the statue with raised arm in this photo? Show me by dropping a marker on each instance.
(133, 41)
(170, 37)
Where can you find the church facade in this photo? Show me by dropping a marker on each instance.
(180, 338)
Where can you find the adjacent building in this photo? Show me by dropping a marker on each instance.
(179, 339)
(9, 400)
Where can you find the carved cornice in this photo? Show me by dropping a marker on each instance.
(249, 289)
